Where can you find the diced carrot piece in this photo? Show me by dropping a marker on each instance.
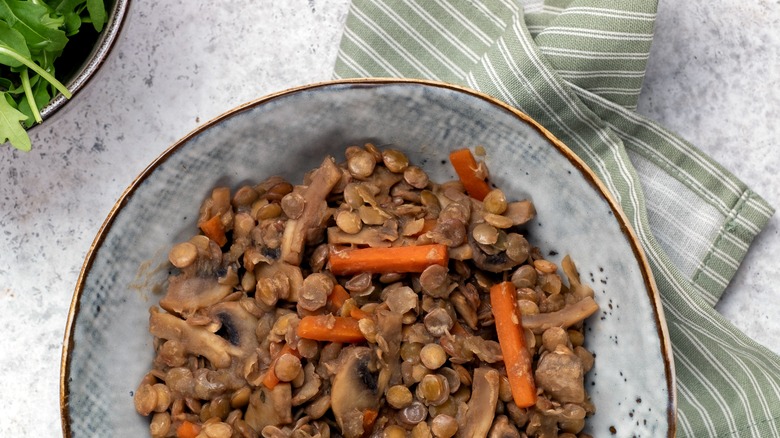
(369, 418)
(466, 167)
(337, 298)
(214, 230)
(399, 259)
(330, 328)
(187, 429)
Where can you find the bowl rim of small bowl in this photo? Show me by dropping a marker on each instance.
(625, 224)
(106, 41)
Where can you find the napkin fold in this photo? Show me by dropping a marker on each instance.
(576, 67)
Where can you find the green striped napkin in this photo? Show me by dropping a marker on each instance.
(576, 66)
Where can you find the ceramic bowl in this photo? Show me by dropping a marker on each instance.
(108, 347)
(85, 54)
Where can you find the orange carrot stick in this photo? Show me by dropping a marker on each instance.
(399, 259)
(466, 167)
(330, 328)
(337, 298)
(187, 429)
(511, 338)
(270, 380)
(214, 230)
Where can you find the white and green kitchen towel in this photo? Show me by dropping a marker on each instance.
(576, 67)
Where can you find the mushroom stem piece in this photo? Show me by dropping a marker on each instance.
(564, 318)
(197, 340)
(294, 238)
(482, 404)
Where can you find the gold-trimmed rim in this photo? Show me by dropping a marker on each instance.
(590, 176)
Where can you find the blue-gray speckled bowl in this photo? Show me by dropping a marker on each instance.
(108, 346)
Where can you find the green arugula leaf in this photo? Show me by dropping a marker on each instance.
(10, 127)
(6, 52)
(6, 84)
(66, 6)
(41, 96)
(13, 40)
(97, 13)
(54, 4)
(50, 20)
(32, 21)
(72, 23)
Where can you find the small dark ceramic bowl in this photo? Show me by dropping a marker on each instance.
(84, 55)
(108, 347)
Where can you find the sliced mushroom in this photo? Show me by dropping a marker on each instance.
(564, 318)
(322, 182)
(374, 236)
(389, 335)
(196, 340)
(486, 350)
(502, 428)
(499, 261)
(237, 326)
(355, 389)
(270, 407)
(560, 374)
(310, 388)
(450, 231)
(291, 272)
(520, 212)
(384, 179)
(482, 404)
(188, 293)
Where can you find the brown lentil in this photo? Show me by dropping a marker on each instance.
(485, 234)
(183, 254)
(433, 389)
(416, 177)
(160, 424)
(348, 221)
(361, 163)
(433, 356)
(495, 202)
(292, 205)
(395, 160)
(315, 291)
(399, 396)
(545, 266)
(287, 367)
(444, 426)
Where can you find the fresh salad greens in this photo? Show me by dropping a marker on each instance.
(33, 34)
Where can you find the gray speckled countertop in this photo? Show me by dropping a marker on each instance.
(713, 77)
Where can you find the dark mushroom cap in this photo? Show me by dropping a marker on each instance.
(237, 325)
(355, 389)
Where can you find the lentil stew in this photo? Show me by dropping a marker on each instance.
(359, 304)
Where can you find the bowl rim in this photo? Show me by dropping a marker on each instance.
(625, 225)
(105, 42)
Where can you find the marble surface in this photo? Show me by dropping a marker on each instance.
(713, 77)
